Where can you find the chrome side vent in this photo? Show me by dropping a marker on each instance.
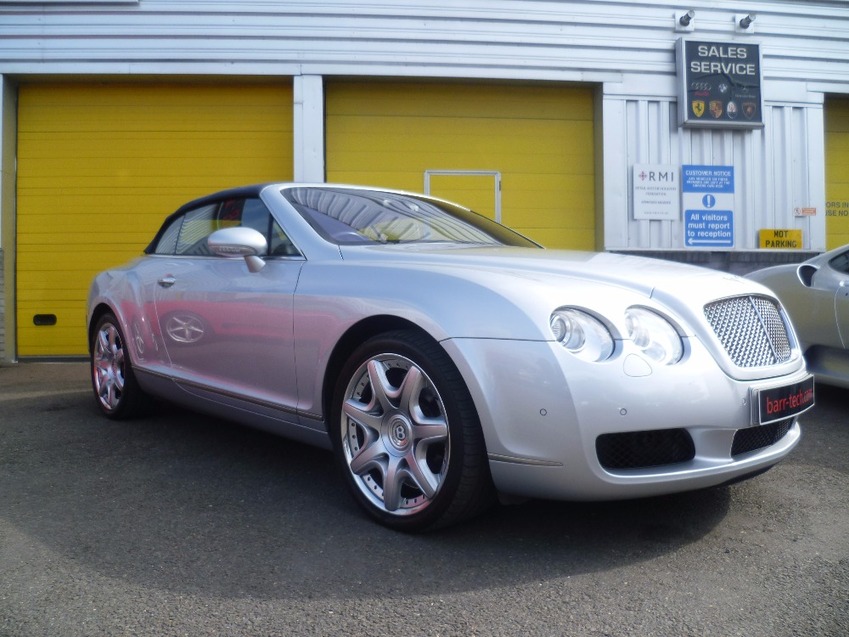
(751, 329)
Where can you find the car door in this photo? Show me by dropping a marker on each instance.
(841, 311)
(808, 293)
(839, 265)
(227, 329)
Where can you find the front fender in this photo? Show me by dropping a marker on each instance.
(123, 292)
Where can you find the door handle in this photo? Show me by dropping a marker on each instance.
(167, 281)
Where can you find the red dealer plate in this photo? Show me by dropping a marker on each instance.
(778, 403)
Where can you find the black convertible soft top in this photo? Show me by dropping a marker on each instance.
(241, 192)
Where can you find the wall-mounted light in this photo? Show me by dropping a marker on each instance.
(744, 23)
(684, 21)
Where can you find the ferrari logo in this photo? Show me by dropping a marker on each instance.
(698, 107)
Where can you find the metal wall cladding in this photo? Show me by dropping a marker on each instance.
(536, 139)
(777, 170)
(621, 52)
(100, 165)
(567, 40)
(837, 172)
(624, 51)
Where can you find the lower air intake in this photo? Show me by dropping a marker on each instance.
(640, 449)
(754, 438)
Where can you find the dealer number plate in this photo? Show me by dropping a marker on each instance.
(778, 403)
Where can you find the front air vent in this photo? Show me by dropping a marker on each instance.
(641, 449)
(754, 438)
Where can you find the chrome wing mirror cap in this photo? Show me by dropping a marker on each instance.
(240, 242)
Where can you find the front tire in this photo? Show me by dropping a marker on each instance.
(115, 387)
(406, 434)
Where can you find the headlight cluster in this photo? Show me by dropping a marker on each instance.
(588, 338)
(654, 335)
(582, 334)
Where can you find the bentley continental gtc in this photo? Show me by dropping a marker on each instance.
(445, 359)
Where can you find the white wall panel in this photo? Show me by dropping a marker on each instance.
(587, 41)
(777, 170)
(625, 47)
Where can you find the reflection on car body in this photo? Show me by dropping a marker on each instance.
(444, 358)
(184, 327)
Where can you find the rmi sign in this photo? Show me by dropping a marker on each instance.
(656, 192)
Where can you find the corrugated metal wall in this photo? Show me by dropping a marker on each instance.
(777, 170)
(538, 138)
(837, 172)
(586, 40)
(625, 49)
(482, 38)
(100, 165)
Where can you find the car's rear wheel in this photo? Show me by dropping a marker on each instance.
(407, 436)
(115, 387)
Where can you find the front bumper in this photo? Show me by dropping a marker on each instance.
(542, 412)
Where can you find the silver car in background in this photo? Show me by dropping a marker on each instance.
(444, 358)
(816, 295)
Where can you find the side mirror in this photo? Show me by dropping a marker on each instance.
(240, 242)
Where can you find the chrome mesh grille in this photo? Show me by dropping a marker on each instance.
(751, 329)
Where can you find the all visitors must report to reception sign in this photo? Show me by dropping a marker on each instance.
(707, 194)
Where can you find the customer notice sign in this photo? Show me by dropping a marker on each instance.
(719, 84)
(707, 194)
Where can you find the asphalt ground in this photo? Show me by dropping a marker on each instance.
(179, 524)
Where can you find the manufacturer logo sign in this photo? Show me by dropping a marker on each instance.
(719, 84)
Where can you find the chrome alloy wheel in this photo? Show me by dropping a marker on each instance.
(395, 434)
(108, 365)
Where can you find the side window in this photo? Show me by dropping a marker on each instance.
(167, 243)
(255, 215)
(197, 225)
(841, 262)
(187, 234)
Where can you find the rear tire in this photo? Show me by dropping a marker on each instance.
(115, 387)
(406, 434)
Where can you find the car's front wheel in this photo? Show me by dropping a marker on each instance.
(115, 387)
(407, 435)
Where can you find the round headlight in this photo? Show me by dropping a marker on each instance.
(654, 335)
(582, 334)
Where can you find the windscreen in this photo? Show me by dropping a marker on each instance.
(354, 216)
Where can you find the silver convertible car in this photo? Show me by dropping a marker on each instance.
(816, 295)
(445, 359)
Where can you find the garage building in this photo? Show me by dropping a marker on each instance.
(547, 116)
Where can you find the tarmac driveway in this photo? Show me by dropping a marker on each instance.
(179, 524)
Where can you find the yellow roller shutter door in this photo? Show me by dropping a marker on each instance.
(99, 167)
(538, 140)
(837, 172)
